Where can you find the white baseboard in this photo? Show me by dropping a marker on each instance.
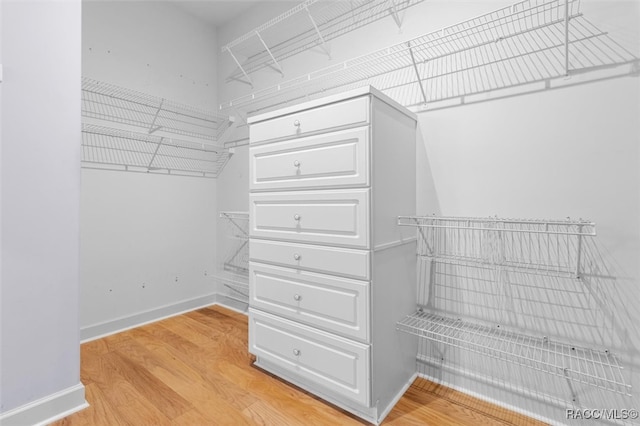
(96, 331)
(397, 398)
(48, 409)
(233, 304)
(490, 400)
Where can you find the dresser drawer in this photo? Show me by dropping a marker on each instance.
(339, 365)
(334, 159)
(353, 112)
(352, 263)
(335, 304)
(322, 217)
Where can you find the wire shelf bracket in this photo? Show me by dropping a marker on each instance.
(236, 286)
(236, 228)
(518, 49)
(234, 274)
(310, 24)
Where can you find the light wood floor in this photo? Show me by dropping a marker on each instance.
(194, 369)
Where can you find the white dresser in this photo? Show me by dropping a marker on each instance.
(330, 271)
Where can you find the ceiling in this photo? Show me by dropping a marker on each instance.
(215, 12)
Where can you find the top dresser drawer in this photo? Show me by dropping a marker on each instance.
(350, 113)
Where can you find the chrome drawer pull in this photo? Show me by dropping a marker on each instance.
(296, 163)
(296, 123)
(296, 256)
(296, 216)
(297, 297)
(296, 352)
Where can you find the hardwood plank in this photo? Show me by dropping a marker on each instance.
(194, 369)
(284, 396)
(202, 392)
(142, 412)
(163, 397)
(204, 363)
(265, 414)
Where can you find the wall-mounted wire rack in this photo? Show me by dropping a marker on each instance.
(236, 230)
(596, 368)
(532, 246)
(107, 147)
(546, 247)
(124, 129)
(310, 24)
(533, 41)
(233, 277)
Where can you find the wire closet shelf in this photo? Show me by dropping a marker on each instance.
(124, 129)
(533, 41)
(546, 247)
(595, 368)
(234, 274)
(531, 246)
(310, 24)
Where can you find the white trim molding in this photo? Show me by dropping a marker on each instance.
(96, 331)
(48, 409)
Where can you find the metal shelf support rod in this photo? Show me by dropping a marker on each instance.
(155, 152)
(574, 397)
(249, 82)
(415, 68)
(234, 289)
(322, 43)
(153, 129)
(578, 251)
(394, 13)
(566, 37)
(275, 62)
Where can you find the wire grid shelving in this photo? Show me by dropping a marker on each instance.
(233, 278)
(595, 368)
(131, 151)
(124, 129)
(547, 247)
(310, 24)
(533, 41)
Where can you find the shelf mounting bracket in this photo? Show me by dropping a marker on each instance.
(222, 139)
(415, 68)
(394, 13)
(155, 153)
(578, 252)
(566, 38)
(273, 58)
(153, 128)
(574, 396)
(249, 82)
(322, 43)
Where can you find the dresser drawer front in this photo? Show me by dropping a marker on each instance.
(335, 304)
(354, 112)
(338, 365)
(352, 263)
(323, 217)
(331, 160)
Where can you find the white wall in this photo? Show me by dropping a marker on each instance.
(568, 152)
(148, 241)
(40, 197)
